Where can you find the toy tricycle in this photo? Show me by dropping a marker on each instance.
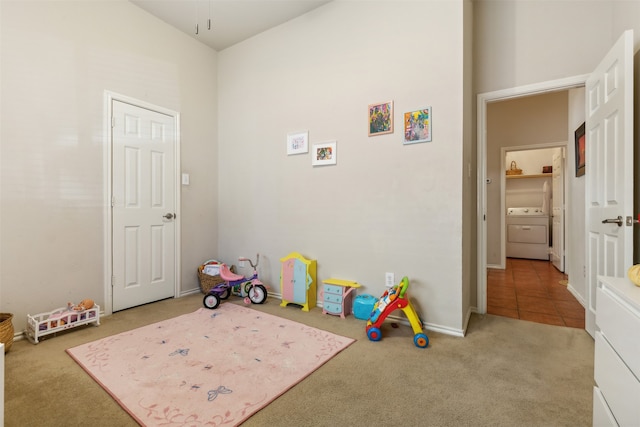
(251, 288)
(392, 299)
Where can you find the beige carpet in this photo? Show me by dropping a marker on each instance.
(505, 372)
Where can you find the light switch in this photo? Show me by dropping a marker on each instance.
(185, 179)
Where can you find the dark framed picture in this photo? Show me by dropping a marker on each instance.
(581, 158)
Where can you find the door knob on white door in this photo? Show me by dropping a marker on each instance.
(613, 221)
(169, 216)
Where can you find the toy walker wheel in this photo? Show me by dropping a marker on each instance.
(421, 340)
(211, 301)
(257, 294)
(374, 334)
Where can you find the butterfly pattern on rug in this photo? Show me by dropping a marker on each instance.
(220, 390)
(181, 352)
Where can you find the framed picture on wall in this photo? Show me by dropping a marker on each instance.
(581, 158)
(381, 118)
(324, 153)
(417, 126)
(297, 143)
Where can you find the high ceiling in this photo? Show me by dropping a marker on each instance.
(232, 21)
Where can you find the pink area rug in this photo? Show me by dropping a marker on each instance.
(210, 367)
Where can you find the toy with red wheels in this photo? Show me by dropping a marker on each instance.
(391, 300)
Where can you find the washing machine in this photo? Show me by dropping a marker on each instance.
(527, 233)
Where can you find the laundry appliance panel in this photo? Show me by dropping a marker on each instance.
(527, 233)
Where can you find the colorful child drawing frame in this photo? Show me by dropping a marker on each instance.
(297, 143)
(417, 126)
(380, 118)
(324, 153)
(581, 146)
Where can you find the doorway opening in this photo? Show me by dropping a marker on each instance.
(533, 203)
(491, 171)
(530, 283)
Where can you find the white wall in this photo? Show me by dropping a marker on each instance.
(58, 58)
(575, 213)
(384, 206)
(529, 41)
(469, 240)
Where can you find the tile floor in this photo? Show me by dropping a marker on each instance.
(531, 290)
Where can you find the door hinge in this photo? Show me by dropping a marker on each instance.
(113, 281)
(113, 201)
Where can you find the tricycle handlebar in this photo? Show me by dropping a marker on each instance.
(254, 266)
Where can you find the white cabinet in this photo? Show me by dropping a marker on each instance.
(617, 353)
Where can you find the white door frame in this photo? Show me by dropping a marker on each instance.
(109, 97)
(481, 136)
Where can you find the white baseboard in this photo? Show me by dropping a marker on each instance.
(575, 293)
(189, 292)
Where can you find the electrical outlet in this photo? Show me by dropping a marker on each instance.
(242, 262)
(389, 280)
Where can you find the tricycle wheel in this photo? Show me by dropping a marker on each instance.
(211, 301)
(257, 294)
(421, 340)
(374, 334)
(225, 294)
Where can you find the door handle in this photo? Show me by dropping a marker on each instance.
(170, 215)
(613, 221)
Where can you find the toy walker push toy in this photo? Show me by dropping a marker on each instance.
(250, 288)
(391, 300)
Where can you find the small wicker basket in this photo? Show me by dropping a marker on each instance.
(6, 330)
(513, 170)
(207, 281)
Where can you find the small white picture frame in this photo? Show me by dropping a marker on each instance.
(324, 153)
(297, 143)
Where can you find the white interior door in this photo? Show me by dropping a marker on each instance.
(557, 210)
(143, 203)
(609, 169)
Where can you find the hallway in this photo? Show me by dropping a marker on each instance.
(532, 290)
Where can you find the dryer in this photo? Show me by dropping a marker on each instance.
(527, 233)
